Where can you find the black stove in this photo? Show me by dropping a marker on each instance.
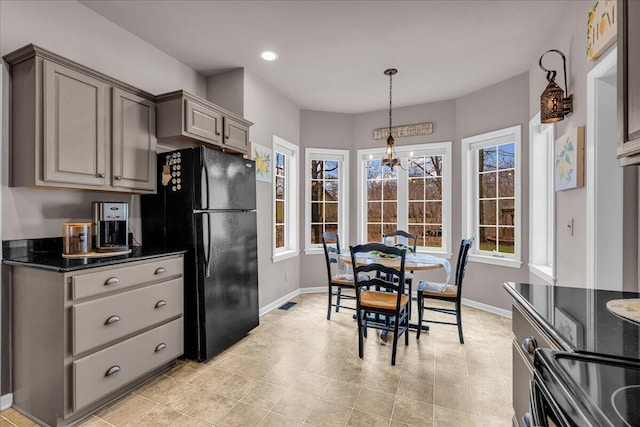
(573, 389)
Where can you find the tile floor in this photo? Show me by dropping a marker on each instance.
(299, 369)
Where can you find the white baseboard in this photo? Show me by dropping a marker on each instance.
(277, 303)
(486, 307)
(6, 401)
(314, 290)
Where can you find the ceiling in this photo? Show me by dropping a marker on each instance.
(333, 53)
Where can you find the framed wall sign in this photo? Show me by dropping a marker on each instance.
(568, 160)
(602, 27)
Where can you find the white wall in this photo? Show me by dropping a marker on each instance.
(272, 114)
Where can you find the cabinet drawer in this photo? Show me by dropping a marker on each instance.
(522, 375)
(103, 372)
(106, 319)
(524, 328)
(202, 122)
(99, 282)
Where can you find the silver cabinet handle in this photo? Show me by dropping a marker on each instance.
(226, 136)
(161, 303)
(160, 347)
(526, 420)
(529, 344)
(160, 270)
(118, 177)
(111, 281)
(101, 175)
(217, 133)
(113, 319)
(112, 371)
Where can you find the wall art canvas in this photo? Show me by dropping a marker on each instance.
(262, 157)
(602, 27)
(569, 328)
(569, 160)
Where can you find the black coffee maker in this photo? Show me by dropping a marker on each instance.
(110, 226)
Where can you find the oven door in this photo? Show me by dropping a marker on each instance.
(544, 409)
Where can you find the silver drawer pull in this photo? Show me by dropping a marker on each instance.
(118, 177)
(161, 303)
(112, 319)
(160, 347)
(529, 345)
(527, 420)
(111, 281)
(101, 175)
(160, 270)
(112, 370)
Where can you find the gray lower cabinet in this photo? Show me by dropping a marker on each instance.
(82, 339)
(188, 118)
(527, 335)
(628, 85)
(72, 127)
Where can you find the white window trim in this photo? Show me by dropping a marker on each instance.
(469, 192)
(343, 182)
(291, 236)
(541, 235)
(403, 152)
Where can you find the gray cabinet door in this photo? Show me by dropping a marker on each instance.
(236, 135)
(74, 127)
(134, 142)
(203, 123)
(629, 82)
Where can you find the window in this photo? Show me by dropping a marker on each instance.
(541, 199)
(491, 196)
(417, 199)
(285, 199)
(326, 196)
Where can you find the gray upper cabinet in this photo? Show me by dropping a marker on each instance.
(134, 142)
(189, 118)
(629, 82)
(73, 127)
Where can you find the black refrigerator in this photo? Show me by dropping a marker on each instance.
(206, 203)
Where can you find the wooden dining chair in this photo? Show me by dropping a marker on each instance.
(403, 239)
(337, 280)
(388, 306)
(450, 293)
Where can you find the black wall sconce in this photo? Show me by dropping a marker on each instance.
(554, 105)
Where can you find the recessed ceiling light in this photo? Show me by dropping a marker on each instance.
(268, 55)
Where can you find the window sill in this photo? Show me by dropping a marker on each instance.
(502, 262)
(281, 256)
(542, 271)
(314, 251)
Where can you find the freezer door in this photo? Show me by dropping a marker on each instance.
(226, 181)
(229, 273)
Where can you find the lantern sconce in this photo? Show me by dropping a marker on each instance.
(554, 105)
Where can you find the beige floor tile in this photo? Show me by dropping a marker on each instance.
(376, 403)
(494, 422)
(487, 407)
(456, 398)
(264, 395)
(187, 421)
(211, 407)
(185, 370)
(296, 405)
(92, 421)
(310, 383)
(231, 362)
(210, 378)
(17, 418)
(353, 372)
(158, 416)
(327, 414)
(365, 419)
(445, 417)
(236, 386)
(126, 410)
(483, 388)
(172, 393)
(256, 369)
(242, 415)
(385, 382)
(413, 412)
(5, 423)
(416, 389)
(276, 420)
(341, 392)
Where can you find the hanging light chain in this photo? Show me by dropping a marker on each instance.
(390, 92)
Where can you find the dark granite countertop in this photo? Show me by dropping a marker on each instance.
(47, 254)
(578, 318)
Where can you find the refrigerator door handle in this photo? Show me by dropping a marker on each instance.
(206, 181)
(207, 246)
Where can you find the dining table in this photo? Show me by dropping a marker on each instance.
(413, 262)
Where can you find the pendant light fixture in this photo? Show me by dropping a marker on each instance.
(554, 104)
(390, 160)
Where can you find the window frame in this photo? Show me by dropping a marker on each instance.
(291, 151)
(403, 153)
(470, 147)
(542, 221)
(341, 156)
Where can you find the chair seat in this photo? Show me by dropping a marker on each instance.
(346, 279)
(408, 276)
(449, 291)
(381, 300)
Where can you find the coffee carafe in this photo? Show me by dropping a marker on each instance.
(110, 226)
